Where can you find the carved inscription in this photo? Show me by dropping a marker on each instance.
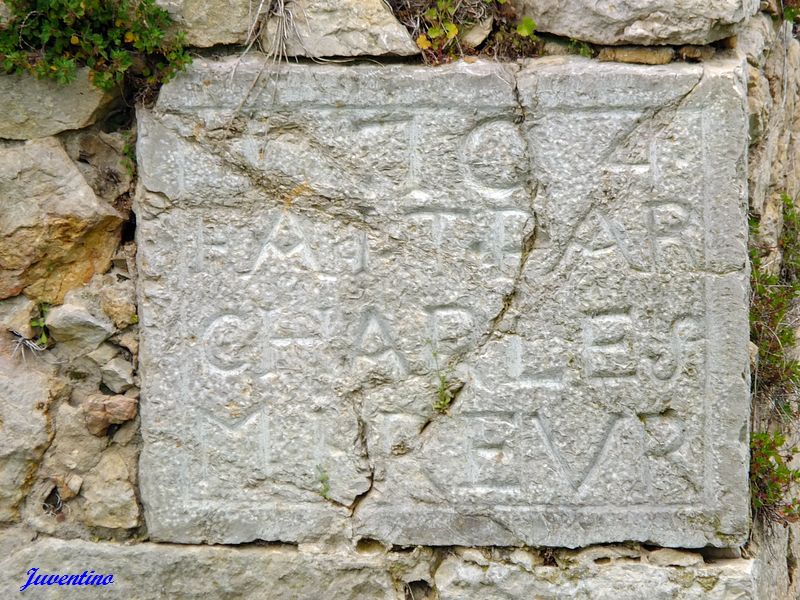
(511, 317)
(608, 351)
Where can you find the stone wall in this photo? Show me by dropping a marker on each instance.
(409, 332)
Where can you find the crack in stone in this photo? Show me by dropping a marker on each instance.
(656, 118)
(526, 247)
(363, 495)
(358, 409)
(648, 118)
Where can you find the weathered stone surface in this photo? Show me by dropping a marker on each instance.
(118, 374)
(699, 53)
(16, 315)
(85, 481)
(478, 33)
(637, 54)
(756, 38)
(54, 232)
(26, 390)
(314, 28)
(76, 326)
(101, 411)
(145, 571)
(155, 571)
(110, 500)
(211, 22)
(458, 579)
(774, 103)
(35, 108)
(540, 244)
(118, 301)
(341, 28)
(668, 557)
(100, 157)
(646, 22)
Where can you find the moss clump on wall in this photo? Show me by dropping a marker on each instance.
(121, 41)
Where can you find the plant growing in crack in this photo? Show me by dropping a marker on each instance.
(41, 339)
(446, 387)
(772, 478)
(776, 378)
(324, 481)
(443, 29)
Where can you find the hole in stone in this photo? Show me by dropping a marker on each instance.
(369, 546)
(53, 506)
(419, 590)
(604, 560)
(549, 558)
(112, 429)
(129, 229)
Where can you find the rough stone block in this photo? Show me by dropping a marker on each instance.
(319, 28)
(211, 22)
(646, 22)
(314, 28)
(552, 256)
(458, 579)
(36, 108)
(55, 233)
(154, 571)
(26, 391)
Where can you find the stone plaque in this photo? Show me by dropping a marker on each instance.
(477, 304)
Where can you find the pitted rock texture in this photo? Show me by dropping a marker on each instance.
(644, 22)
(559, 249)
(458, 579)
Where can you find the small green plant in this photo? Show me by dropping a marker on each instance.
(324, 482)
(445, 389)
(440, 31)
(511, 37)
(129, 152)
(444, 396)
(771, 478)
(777, 376)
(580, 48)
(116, 39)
(791, 10)
(526, 27)
(439, 26)
(41, 335)
(773, 294)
